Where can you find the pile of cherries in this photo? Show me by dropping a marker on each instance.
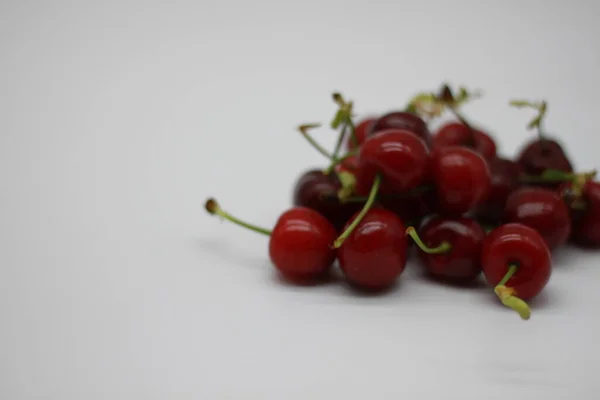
(467, 209)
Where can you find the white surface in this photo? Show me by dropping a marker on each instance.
(118, 119)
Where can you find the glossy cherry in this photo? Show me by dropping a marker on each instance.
(541, 209)
(299, 244)
(516, 261)
(450, 248)
(462, 179)
(585, 211)
(504, 180)
(402, 120)
(374, 254)
(318, 191)
(361, 131)
(459, 134)
(398, 155)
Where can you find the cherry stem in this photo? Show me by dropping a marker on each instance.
(212, 206)
(552, 175)
(541, 107)
(304, 131)
(340, 141)
(507, 297)
(338, 161)
(411, 193)
(443, 247)
(368, 204)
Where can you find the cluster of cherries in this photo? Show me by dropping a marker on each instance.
(467, 209)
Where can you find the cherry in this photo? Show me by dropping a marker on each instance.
(459, 134)
(542, 153)
(374, 254)
(542, 210)
(412, 206)
(517, 262)
(361, 131)
(450, 249)
(462, 179)
(399, 155)
(299, 244)
(585, 211)
(402, 120)
(319, 191)
(504, 180)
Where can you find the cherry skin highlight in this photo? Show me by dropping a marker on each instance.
(459, 134)
(402, 120)
(542, 210)
(461, 263)
(504, 180)
(398, 155)
(462, 179)
(319, 192)
(374, 254)
(361, 131)
(520, 245)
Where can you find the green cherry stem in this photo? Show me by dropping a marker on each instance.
(304, 131)
(340, 141)
(368, 204)
(443, 247)
(507, 295)
(212, 206)
(541, 107)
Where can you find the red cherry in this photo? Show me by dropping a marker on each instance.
(462, 179)
(398, 155)
(542, 210)
(543, 154)
(361, 131)
(450, 249)
(374, 254)
(411, 207)
(402, 120)
(350, 164)
(586, 219)
(458, 134)
(517, 262)
(505, 179)
(319, 192)
(300, 243)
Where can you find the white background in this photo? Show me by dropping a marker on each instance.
(119, 118)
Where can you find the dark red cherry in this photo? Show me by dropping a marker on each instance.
(410, 207)
(398, 155)
(361, 132)
(405, 121)
(374, 254)
(541, 209)
(504, 180)
(300, 244)
(458, 134)
(450, 248)
(462, 179)
(586, 218)
(517, 262)
(542, 154)
(319, 192)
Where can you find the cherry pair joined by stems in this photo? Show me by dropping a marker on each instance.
(516, 261)
(461, 177)
(450, 248)
(299, 244)
(542, 153)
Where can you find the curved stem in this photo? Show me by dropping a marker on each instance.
(213, 208)
(370, 201)
(353, 136)
(338, 161)
(463, 121)
(340, 141)
(304, 130)
(443, 247)
(507, 295)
